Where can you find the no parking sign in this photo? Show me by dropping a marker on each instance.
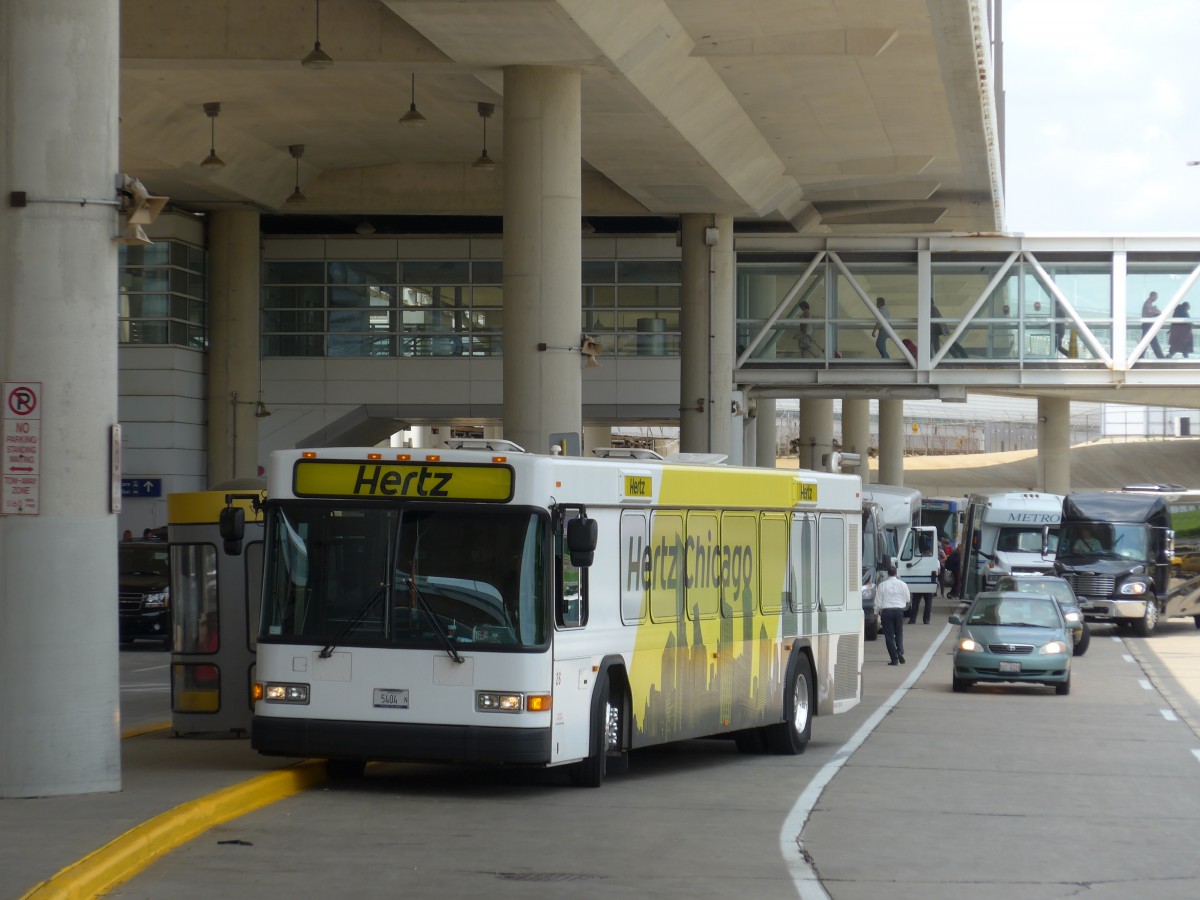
(22, 448)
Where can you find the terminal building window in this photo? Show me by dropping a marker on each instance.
(162, 295)
(451, 308)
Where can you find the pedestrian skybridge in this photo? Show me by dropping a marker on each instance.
(999, 314)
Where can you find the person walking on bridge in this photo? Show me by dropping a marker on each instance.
(877, 332)
(1150, 311)
(1179, 339)
(892, 599)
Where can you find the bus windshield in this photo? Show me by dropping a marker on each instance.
(396, 577)
(1104, 539)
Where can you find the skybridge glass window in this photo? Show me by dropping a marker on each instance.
(798, 334)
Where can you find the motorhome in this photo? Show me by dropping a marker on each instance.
(1002, 535)
(1117, 549)
(911, 546)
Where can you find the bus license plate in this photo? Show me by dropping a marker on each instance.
(391, 698)
(1004, 667)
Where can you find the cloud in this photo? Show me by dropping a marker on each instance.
(1099, 115)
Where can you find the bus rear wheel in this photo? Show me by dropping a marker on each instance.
(791, 736)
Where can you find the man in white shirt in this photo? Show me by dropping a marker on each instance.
(892, 599)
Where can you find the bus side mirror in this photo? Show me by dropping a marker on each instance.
(1168, 546)
(582, 535)
(1045, 540)
(232, 525)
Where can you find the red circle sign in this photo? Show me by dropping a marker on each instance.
(22, 401)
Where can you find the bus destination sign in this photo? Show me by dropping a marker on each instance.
(402, 481)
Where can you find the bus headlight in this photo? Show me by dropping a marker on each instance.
(493, 701)
(1133, 587)
(285, 693)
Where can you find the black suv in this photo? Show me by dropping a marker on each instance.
(144, 591)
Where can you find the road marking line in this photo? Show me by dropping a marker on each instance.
(1146, 685)
(1168, 715)
(1115, 639)
(1196, 753)
(153, 668)
(808, 885)
(1127, 658)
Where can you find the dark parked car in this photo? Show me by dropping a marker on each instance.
(1015, 637)
(144, 591)
(1060, 590)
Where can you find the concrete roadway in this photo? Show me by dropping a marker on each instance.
(1002, 792)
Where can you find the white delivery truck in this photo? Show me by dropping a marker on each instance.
(911, 546)
(1002, 535)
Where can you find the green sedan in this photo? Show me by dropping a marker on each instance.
(1012, 636)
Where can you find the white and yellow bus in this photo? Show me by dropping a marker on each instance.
(481, 604)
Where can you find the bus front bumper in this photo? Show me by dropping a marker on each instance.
(1097, 609)
(332, 739)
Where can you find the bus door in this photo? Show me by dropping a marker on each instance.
(918, 565)
(573, 678)
(803, 555)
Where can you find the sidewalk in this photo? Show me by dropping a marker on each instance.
(189, 783)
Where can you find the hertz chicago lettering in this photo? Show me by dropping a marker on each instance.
(697, 563)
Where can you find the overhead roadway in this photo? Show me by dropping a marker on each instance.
(811, 115)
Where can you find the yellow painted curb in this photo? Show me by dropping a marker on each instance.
(134, 851)
(139, 730)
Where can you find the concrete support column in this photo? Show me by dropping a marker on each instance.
(233, 348)
(765, 434)
(816, 431)
(59, 700)
(856, 435)
(542, 273)
(1054, 445)
(706, 339)
(891, 442)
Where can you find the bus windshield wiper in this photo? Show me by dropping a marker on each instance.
(446, 640)
(356, 619)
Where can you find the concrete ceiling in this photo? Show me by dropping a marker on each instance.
(831, 115)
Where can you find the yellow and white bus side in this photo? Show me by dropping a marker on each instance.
(429, 607)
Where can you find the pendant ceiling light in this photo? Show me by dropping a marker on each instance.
(317, 58)
(212, 161)
(485, 162)
(297, 151)
(412, 118)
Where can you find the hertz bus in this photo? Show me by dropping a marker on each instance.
(481, 604)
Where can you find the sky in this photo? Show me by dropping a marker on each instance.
(1102, 115)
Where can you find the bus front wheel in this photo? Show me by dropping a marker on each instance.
(608, 726)
(1144, 626)
(792, 735)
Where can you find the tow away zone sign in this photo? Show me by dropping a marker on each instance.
(22, 448)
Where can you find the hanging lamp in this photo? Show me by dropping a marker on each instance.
(485, 162)
(297, 151)
(212, 161)
(317, 58)
(412, 118)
